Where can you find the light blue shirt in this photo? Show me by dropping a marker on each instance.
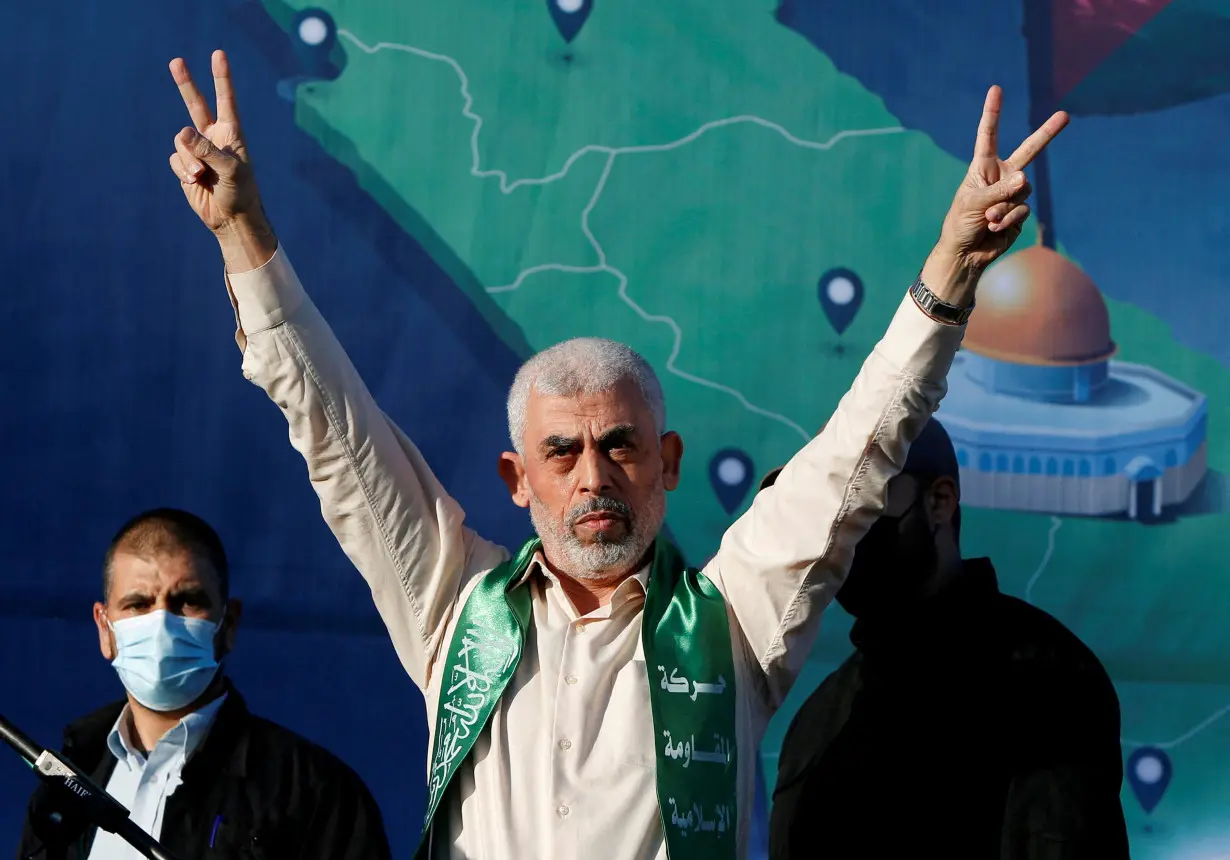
(143, 783)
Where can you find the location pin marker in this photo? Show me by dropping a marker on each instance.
(569, 16)
(1148, 773)
(841, 295)
(314, 35)
(730, 473)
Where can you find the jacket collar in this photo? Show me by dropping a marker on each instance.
(227, 740)
(85, 740)
(932, 623)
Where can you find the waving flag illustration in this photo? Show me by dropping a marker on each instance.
(1133, 56)
(1115, 57)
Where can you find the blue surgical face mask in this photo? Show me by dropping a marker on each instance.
(165, 661)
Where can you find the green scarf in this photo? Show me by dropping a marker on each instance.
(686, 636)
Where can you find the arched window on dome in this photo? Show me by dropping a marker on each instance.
(985, 463)
(962, 457)
(1052, 466)
(1108, 465)
(1084, 469)
(1018, 465)
(1069, 468)
(1035, 466)
(1001, 463)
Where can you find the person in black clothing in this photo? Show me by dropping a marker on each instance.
(966, 724)
(195, 769)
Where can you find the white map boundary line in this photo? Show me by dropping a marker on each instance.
(612, 153)
(1186, 736)
(1056, 524)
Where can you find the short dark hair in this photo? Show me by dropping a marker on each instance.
(164, 530)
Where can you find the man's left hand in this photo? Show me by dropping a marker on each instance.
(989, 208)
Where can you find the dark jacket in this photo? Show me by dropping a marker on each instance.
(253, 790)
(975, 726)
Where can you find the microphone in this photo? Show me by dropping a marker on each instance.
(69, 801)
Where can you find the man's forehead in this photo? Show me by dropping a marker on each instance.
(622, 405)
(154, 572)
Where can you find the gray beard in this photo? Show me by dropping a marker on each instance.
(602, 558)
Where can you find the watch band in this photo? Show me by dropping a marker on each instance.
(936, 309)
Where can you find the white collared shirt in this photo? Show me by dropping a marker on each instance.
(567, 766)
(143, 783)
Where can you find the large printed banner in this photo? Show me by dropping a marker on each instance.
(739, 189)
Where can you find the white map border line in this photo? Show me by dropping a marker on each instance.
(612, 153)
(1186, 736)
(1056, 524)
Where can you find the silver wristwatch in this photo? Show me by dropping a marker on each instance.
(936, 309)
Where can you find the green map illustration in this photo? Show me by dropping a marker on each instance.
(679, 181)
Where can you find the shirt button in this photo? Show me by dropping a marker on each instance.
(570, 680)
(565, 744)
(562, 811)
(580, 627)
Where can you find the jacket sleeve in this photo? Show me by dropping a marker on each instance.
(45, 836)
(394, 520)
(1064, 811)
(819, 719)
(1063, 800)
(28, 848)
(345, 823)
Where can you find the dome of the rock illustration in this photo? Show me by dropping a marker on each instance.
(1044, 417)
(1035, 307)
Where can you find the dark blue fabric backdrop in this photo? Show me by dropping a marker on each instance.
(123, 389)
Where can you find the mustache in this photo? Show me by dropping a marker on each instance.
(599, 504)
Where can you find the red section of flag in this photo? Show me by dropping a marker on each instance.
(1086, 32)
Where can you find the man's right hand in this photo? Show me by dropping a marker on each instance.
(212, 163)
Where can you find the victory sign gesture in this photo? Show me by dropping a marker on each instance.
(214, 169)
(989, 208)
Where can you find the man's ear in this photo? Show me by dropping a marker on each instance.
(942, 499)
(106, 639)
(512, 470)
(672, 456)
(230, 622)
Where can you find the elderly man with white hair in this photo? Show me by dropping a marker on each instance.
(589, 695)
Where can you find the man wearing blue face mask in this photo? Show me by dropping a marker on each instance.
(195, 769)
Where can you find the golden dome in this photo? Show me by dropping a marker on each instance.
(1035, 307)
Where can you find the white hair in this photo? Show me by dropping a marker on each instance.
(582, 366)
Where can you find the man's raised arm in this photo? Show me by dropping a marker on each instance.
(782, 562)
(390, 514)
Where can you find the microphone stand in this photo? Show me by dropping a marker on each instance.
(100, 808)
